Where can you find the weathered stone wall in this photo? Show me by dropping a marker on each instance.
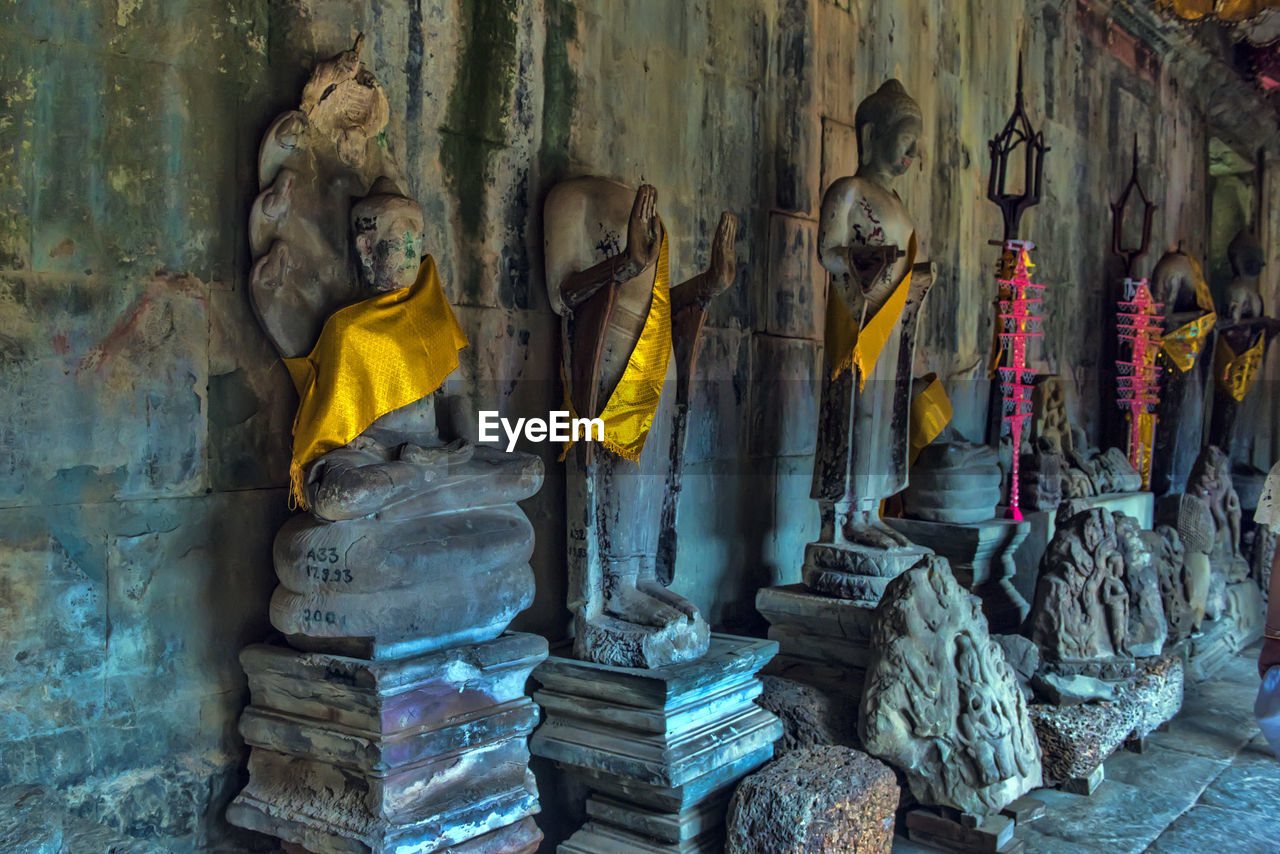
(143, 446)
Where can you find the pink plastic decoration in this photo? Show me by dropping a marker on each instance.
(1021, 323)
(1138, 380)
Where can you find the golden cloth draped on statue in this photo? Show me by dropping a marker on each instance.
(850, 347)
(629, 413)
(372, 357)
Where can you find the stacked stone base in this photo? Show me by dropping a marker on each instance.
(981, 557)
(661, 749)
(412, 756)
(1076, 740)
(822, 641)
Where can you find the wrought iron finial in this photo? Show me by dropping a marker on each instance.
(1118, 209)
(1017, 132)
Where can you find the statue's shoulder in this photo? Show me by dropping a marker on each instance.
(844, 191)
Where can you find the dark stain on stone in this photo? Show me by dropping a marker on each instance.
(475, 128)
(231, 399)
(560, 90)
(413, 77)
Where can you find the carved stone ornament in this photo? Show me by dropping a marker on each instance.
(940, 702)
(1080, 615)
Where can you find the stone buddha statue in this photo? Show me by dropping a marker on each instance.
(1243, 333)
(630, 347)
(341, 287)
(867, 243)
(1188, 317)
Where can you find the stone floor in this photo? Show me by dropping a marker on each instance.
(1210, 785)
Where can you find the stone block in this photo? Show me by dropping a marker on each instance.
(981, 557)
(1074, 740)
(792, 301)
(994, 835)
(719, 395)
(418, 754)
(839, 148)
(810, 717)
(784, 396)
(659, 749)
(826, 800)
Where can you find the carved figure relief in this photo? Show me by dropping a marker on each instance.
(1210, 480)
(1081, 609)
(940, 702)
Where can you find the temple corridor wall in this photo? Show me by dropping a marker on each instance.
(144, 440)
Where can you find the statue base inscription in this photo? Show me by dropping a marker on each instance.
(981, 558)
(660, 749)
(422, 754)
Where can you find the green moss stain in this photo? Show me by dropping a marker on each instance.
(475, 127)
(559, 89)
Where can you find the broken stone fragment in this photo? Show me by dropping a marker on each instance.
(816, 800)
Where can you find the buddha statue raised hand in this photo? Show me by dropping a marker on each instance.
(630, 346)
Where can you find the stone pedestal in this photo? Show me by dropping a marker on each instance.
(660, 749)
(414, 755)
(981, 558)
(855, 572)
(822, 641)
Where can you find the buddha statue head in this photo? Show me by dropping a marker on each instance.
(386, 227)
(889, 125)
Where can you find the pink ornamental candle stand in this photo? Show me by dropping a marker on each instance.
(1021, 322)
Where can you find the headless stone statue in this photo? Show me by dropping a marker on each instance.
(1243, 333)
(867, 244)
(1187, 308)
(630, 345)
(372, 569)
(1210, 481)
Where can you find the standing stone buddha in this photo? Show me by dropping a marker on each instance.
(867, 242)
(630, 344)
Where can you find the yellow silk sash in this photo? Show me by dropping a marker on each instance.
(930, 414)
(1147, 436)
(629, 413)
(850, 347)
(1183, 345)
(1236, 374)
(372, 357)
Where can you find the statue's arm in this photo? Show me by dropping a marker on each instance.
(644, 238)
(849, 263)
